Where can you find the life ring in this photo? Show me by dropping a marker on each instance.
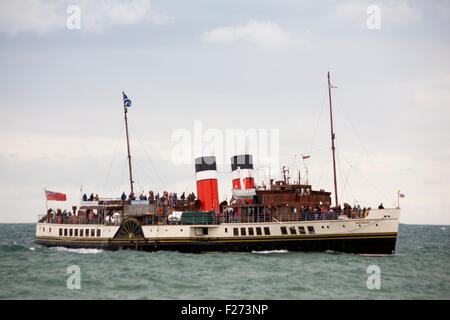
(159, 211)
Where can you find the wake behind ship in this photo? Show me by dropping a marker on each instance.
(280, 216)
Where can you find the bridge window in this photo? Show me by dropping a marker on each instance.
(258, 231)
(92, 232)
(301, 230)
(235, 231)
(292, 230)
(65, 232)
(311, 230)
(98, 232)
(71, 232)
(243, 233)
(87, 233)
(250, 232)
(76, 232)
(60, 232)
(283, 230)
(81, 232)
(267, 231)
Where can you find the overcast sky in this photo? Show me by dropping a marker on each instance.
(259, 65)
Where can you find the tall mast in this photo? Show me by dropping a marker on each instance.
(128, 142)
(332, 143)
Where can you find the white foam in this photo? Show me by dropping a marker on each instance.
(32, 249)
(270, 251)
(443, 228)
(81, 250)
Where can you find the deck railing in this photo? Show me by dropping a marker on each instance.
(231, 217)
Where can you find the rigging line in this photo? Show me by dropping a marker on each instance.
(119, 181)
(163, 183)
(362, 145)
(141, 170)
(145, 172)
(112, 159)
(340, 173)
(369, 183)
(320, 149)
(324, 167)
(318, 121)
(346, 180)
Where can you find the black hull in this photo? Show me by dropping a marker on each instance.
(384, 244)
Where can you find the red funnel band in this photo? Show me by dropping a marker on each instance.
(208, 194)
(207, 187)
(247, 176)
(249, 183)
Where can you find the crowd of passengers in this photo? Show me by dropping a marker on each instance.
(321, 213)
(306, 213)
(91, 217)
(230, 215)
(164, 200)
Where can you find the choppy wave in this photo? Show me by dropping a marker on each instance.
(80, 250)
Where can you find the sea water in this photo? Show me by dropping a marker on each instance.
(419, 269)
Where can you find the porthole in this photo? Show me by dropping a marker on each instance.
(323, 227)
(343, 226)
(328, 227)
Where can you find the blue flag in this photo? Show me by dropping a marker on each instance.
(126, 101)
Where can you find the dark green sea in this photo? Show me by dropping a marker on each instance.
(420, 269)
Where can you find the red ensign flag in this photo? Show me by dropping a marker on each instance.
(55, 196)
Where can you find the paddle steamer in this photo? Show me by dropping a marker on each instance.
(280, 216)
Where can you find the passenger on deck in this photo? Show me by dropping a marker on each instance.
(183, 196)
(380, 206)
(91, 197)
(191, 197)
(359, 211)
(124, 196)
(330, 214)
(85, 197)
(97, 197)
